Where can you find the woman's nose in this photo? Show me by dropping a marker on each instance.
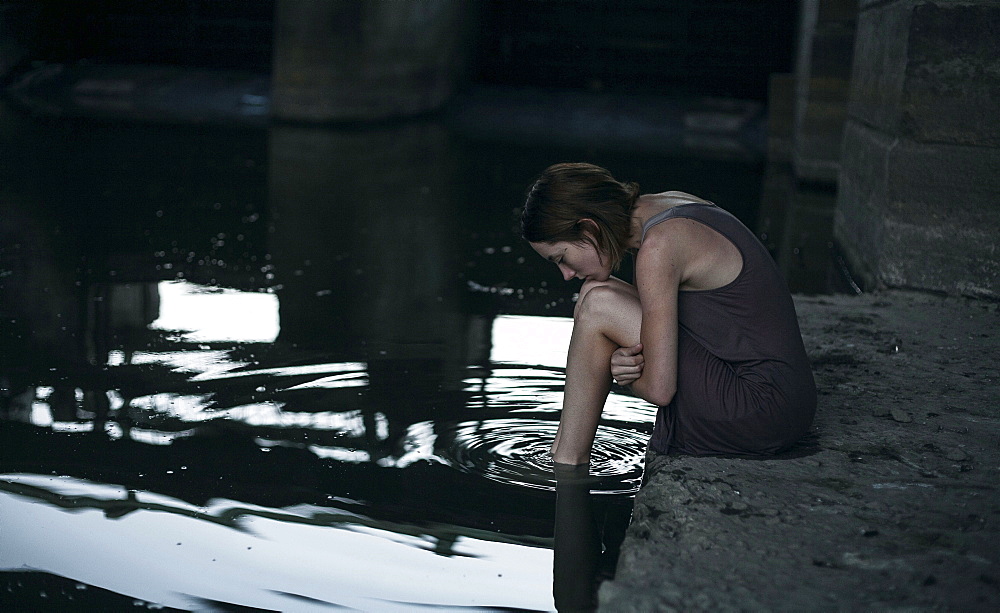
(567, 272)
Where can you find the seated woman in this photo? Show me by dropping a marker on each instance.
(708, 332)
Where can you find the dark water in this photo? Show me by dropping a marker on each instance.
(296, 369)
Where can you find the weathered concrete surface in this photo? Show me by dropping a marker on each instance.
(929, 71)
(920, 215)
(891, 505)
(356, 60)
(919, 188)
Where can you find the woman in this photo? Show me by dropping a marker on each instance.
(708, 332)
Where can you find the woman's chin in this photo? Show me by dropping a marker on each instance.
(596, 278)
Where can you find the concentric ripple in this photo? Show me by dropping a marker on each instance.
(516, 451)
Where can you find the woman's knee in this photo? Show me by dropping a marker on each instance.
(606, 300)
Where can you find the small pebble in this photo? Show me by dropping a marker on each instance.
(901, 416)
(879, 411)
(956, 455)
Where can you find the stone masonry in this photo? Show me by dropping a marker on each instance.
(919, 188)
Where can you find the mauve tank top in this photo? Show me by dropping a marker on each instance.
(750, 324)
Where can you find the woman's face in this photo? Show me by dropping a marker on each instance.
(575, 260)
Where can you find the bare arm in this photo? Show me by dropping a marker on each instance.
(660, 270)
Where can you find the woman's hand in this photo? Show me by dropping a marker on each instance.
(626, 364)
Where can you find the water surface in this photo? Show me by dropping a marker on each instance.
(296, 368)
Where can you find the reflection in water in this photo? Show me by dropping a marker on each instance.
(166, 551)
(211, 314)
(588, 530)
(319, 359)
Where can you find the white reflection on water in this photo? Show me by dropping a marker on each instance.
(301, 558)
(182, 406)
(341, 454)
(203, 314)
(334, 382)
(207, 363)
(418, 444)
(541, 341)
(287, 371)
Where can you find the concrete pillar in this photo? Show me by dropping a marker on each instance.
(822, 80)
(778, 184)
(805, 127)
(919, 189)
(342, 60)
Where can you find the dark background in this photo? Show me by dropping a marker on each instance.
(713, 47)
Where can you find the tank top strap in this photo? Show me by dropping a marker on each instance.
(665, 215)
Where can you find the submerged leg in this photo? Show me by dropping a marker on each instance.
(607, 316)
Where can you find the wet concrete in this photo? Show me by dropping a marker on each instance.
(891, 504)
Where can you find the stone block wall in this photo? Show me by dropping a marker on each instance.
(918, 201)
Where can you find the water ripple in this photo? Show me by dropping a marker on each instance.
(516, 452)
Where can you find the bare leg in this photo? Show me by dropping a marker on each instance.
(607, 316)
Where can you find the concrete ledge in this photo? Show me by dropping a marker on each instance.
(890, 505)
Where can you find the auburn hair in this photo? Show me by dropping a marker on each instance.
(566, 194)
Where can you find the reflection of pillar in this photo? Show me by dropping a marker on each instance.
(118, 316)
(366, 249)
(352, 59)
(313, 209)
(365, 242)
(920, 174)
(42, 324)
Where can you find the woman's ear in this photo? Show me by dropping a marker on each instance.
(590, 227)
(591, 233)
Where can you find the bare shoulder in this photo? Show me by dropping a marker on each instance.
(671, 239)
(696, 254)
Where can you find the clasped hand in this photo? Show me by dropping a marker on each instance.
(626, 364)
